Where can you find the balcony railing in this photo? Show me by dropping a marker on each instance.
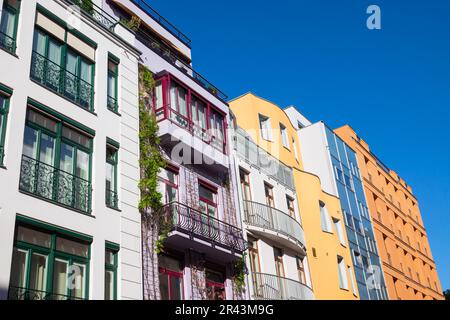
(17, 293)
(263, 216)
(61, 81)
(252, 153)
(96, 13)
(112, 104)
(166, 53)
(272, 287)
(8, 43)
(207, 136)
(188, 220)
(112, 199)
(163, 22)
(47, 182)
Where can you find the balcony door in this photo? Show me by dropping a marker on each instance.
(255, 267)
(178, 105)
(208, 208)
(244, 177)
(268, 215)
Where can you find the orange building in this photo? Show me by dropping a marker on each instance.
(408, 265)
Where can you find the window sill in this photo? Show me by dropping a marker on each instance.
(2, 166)
(113, 208)
(10, 53)
(115, 112)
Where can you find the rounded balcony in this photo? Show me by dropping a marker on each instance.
(273, 287)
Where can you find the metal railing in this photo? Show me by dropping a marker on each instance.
(112, 199)
(188, 220)
(96, 13)
(163, 21)
(166, 53)
(255, 155)
(112, 104)
(272, 287)
(18, 293)
(8, 43)
(263, 216)
(61, 81)
(47, 182)
(2, 154)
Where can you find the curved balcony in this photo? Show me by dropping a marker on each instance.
(272, 287)
(274, 224)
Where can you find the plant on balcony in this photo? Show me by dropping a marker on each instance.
(240, 270)
(86, 5)
(133, 24)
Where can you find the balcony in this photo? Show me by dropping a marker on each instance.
(95, 13)
(274, 224)
(7, 43)
(194, 229)
(61, 81)
(47, 182)
(112, 199)
(16, 293)
(250, 152)
(271, 287)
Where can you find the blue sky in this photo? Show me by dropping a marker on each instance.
(392, 85)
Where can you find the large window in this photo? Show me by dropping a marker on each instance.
(215, 287)
(48, 266)
(4, 108)
(8, 25)
(63, 62)
(170, 278)
(113, 76)
(169, 179)
(111, 262)
(111, 195)
(56, 161)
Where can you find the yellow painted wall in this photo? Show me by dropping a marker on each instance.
(323, 267)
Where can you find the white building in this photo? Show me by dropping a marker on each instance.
(70, 226)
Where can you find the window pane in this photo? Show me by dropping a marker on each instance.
(109, 285)
(176, 288)
(72, 247)
(8, 22)
(206, 193)
(39, 42)
(82, 165)
(78, 281)
(109, 257)
(30, 142)
(18, 270)
(164, 286)
(170, 263)
(60, 275)
(47, 152)
(38, 272)
(41, 120)
(54, 52)
(110, 185)
(66, 158)
(33, 237)
(159, 95)
(86, 71)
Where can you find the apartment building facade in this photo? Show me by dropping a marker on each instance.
(328, 262)
(205, 239)
(70, 224)
(408, 265)
(326, 155)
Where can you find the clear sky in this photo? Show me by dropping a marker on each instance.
(392, 85)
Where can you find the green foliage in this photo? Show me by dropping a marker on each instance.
(86, 5)
(447, 294)
(133, 24)
(239, 274)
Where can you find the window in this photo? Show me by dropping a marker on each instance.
(352, 280)
(295, 150)
(111, 197)
(245, 184)
(325, 218)
(349, 182)
(169, 178)
(113, 76)
(301, 270)
(339, 174)
(266, 127)
(268, 191)
(348, 218)
(111, 263)
(170, 278)
(284, 136)
(8, 25)
(63, 62)
(342, 270)
(290, 206)
(4, 109)
(358, 259)
(339, 230)
(278, 257)
(300, 125)
(215, 285)
(217, 130)
(64, 176)
(48, 266)
(207, 196)
(199, 117)
(178, 104)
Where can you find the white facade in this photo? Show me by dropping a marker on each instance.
(102, 224)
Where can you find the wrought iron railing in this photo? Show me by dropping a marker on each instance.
(263, 216)
(112, 104)
(61, 81)
(163, 21)
(8, 43)
(166, 112)
(47, 182)
(255, 155)
(272, 287)
(166, 53)
(188, 220)
(112, 199)
(17, 293)
(96, 13)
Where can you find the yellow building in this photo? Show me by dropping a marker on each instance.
(330, 263)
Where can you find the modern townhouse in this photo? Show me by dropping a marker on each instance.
(265, 130)
(326, 155)
(69, 147)
(408, 265)
(205, 238)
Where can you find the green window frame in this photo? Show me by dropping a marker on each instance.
(111, 263)
(63, 70)
(5, 95)
(56, 161)
(8, 25)
(112, 155)
(48, 264)
(113, 83)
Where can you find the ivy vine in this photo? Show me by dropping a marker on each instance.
(240, 271)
